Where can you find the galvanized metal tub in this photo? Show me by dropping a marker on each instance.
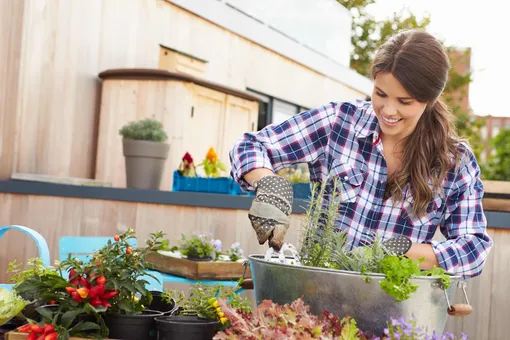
(347, 293)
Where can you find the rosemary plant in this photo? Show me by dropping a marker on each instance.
(362, 259)
(323, 246)
(320, 238)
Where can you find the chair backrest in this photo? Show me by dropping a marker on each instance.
(42, 245)
(82, 247)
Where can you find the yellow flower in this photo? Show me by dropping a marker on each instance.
(215, 304)
(223, 320)
(221, 314)
(218, 309)
(212, 155)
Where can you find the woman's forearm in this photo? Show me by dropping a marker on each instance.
(257, 174)
(419, 250)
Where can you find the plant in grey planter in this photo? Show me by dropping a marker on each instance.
(145, 152)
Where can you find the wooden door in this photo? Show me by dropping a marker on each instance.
(240, 116)
(203, 125)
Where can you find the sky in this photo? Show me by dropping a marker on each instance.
(482, 25)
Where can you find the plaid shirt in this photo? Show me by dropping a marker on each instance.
(343, 139)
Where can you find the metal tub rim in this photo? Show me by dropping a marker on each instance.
(260, 258)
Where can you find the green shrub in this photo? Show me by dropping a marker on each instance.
(145, 129)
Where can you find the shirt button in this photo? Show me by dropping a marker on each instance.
(346, 178)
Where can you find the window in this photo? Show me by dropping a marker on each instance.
(282, 111)
(495, 128)
(483, 132)
(273, 110)
(276, 111)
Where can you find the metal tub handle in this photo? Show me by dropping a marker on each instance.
(246, 283)
(458, 309)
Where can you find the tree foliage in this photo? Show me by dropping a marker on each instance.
(368, 34)
(498, 165)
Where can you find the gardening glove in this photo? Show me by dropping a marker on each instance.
(270, 210)
(399, 245)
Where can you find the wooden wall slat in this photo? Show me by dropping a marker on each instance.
(477, 325)
(11, 30)
(498, 292)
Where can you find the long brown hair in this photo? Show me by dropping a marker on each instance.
(420, 63)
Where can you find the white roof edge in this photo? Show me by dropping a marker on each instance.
(236, 22)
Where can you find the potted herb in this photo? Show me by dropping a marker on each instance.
(70, 311)
(199, 315)
(289, 321)
(34, 269)
(145, 153)
(120, 268)
(294, 321)
(324, 247)
(234, 253)
(187, 167)
(212, 165)
(200, 247)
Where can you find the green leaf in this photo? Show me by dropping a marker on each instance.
(126, 306)
(45, 313)
(140, 287)
(129, 287)
(84, 326)
(89, 309)
(69, 316)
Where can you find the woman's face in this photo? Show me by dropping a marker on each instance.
(397, 112)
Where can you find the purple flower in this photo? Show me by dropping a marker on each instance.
(217, 245)
(449, 336)
(236, 245)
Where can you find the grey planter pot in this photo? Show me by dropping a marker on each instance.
(145, 163)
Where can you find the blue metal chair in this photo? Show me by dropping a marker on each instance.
(42, 246)
(83, 246)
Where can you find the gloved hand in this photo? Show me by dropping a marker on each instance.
(398, 245)
(270, 210)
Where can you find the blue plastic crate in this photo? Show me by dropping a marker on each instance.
(236, 190)
(219, 185)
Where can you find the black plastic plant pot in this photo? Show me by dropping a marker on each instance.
(160, 305)
(133, 326)
(186, 327)
(30, 313)
(194, 257)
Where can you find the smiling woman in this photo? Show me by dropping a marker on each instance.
(402, 168)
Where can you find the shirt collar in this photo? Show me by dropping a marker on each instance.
(367, 123)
